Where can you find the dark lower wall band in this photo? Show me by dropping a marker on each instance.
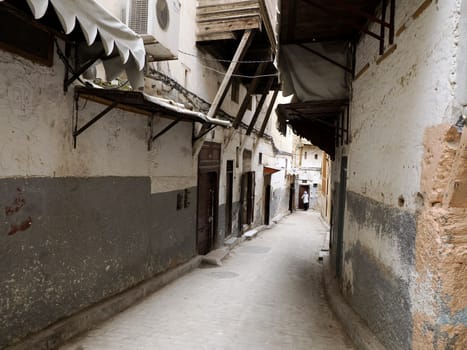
(380, 297)
(67, 243)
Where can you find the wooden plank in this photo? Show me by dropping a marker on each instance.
(245, 42)
(227, 7)
(251, 88)
(268, 112)
(239, 53)
(230, 25)
(220, 3)
(259, 107)
(224, 16)
(216, 36)
(268, 25)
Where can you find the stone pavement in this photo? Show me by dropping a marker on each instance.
(267, 295)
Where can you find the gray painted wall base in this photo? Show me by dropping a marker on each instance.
(354, 326)
(70, 243)
(87, 319)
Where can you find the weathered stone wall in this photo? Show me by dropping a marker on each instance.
(400, 253)
(440, 312)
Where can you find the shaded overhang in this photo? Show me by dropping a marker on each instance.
(85, 23)
(141, 103)
(320, 122)
(269, 170)
(317, 61)
(220, 27)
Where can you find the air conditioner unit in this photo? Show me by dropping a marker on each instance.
(158, 22)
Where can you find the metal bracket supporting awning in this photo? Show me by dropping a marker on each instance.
(140, 104)
(153, 137)
(73, 68)
(203, 132)
(78, 131)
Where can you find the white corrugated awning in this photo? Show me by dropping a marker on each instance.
(94, 20)
(180, 108)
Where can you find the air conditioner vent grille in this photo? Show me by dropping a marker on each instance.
(138, 16)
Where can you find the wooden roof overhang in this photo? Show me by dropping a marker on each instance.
(221, 25)
(307, 21)
(325, 123)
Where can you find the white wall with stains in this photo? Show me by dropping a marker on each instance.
(395, 100)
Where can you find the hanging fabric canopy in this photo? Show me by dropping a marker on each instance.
(94, 20)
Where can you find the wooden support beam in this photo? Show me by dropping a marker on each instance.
(239, 54)
(259, 107)
(251, 88)
(268, 112)
(221, 93)
(251, 22)
(383, 29)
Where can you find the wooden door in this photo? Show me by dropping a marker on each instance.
(267, 199)
(208, 197)
(228, 198)
(247, 198)
(207, 211)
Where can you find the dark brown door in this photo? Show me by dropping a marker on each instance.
(207, 211)
(247, 197)
(267, 199)
(228, 198)
(208, 196)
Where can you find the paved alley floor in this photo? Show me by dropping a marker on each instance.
(267, 295)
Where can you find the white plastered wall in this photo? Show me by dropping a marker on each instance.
(203, 77)
(35, 138)
(393, 103)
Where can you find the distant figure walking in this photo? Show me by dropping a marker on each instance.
(306, 200)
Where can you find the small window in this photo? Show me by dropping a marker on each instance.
(237, 156)
(304, 156)
(235, 90)
(316, 156)
(260, 158)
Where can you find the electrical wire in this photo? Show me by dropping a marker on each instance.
(241, 75)
(222, 60)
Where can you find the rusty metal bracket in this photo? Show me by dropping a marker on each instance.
(152, 137)
(204, 132)
(73, 71)
(76, 132)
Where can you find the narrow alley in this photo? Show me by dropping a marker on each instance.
(267, 295)
(141, 137)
